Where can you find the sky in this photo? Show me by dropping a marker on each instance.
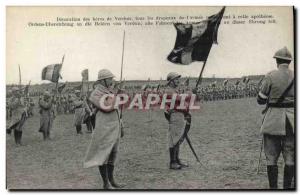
(242, 49)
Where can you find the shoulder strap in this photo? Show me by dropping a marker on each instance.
(283, 95)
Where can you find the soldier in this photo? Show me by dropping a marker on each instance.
(103, 148)
(176, 118)
(47, 115)
(19, 115)
(81, 110)
(277, 92)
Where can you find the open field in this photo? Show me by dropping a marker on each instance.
(225, 135)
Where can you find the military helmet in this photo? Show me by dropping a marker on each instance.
(104, 74)
(284, 54)
(172, 75)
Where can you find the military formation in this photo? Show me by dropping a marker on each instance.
(105, 121)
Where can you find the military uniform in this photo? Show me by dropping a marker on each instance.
(103, 148)
(47, 115)
(177, 123)
(19, 115)
(278, 124)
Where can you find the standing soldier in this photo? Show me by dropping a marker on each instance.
(103, 148)
(177, 119)
(277, 92)
(19, 115)
(47, 115)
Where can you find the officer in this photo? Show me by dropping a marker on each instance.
(103, 148)
(277, 92)
(176, 118)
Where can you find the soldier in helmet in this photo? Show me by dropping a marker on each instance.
(19, 115)
(47, 115)
(177, 119)
(277, 92)
(103, 148)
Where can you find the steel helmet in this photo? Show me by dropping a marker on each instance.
(284, 54)
(172, 75)
(104, 74)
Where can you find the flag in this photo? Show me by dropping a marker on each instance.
(85, 75)
(61, 88)
(51, 72)
(194, 41)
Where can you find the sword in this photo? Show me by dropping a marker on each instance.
(190, 144)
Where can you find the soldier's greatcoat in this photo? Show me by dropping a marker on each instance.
(106, 133)
(47, 115)
(273, 86)
(18, 111)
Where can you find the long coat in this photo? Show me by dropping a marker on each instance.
(18, 110)
(106, 133)
(82, 111)
(273, 85)
(47, 115)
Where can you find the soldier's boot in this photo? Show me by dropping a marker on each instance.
(183, 165)
(272, 176)
(173, 163)
(16, 136)
(78, 129)
(48, 135)
(110, 170)
(289, 172)
(20, 138)
(44, 135)
(104, 175)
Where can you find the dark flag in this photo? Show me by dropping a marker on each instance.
(194, 41)
(51, 72)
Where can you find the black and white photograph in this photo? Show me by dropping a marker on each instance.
(150, 98)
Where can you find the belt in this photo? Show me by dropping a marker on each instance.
(282, 105)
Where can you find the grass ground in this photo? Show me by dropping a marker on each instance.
(225, 134)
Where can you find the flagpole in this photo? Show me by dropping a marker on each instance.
(20, 79)
(201, 72)
(121, 76)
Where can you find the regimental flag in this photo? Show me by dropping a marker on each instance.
(61, 88)
(194, 41)
(85, 75)
(51, 72)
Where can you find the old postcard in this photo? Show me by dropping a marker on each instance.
(150, 98)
